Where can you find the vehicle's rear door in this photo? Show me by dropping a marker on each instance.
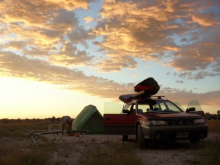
(120, 124)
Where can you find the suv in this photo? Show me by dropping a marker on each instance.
(157, 119)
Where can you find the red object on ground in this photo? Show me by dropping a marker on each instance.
(70, 134)
(76, 134)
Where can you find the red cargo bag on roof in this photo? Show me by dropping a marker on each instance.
(149, 85)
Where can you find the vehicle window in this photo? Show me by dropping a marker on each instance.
(158, 106)
(112, 108)
(172, 107)
(143, 108)
(150, 106)
(167, 106)
(129, 107)
(162, 107)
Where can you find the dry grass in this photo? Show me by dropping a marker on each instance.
(14, 152)
(214, 126)
(11, 152)
(21, 129)
(10, 156)
(208, 153)
(115, 154)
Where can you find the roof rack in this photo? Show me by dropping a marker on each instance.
(139, 95)
(159, 97)
(142, 94)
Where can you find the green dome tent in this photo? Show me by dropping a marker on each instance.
(89, 119)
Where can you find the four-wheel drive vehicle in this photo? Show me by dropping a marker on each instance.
(155, 118)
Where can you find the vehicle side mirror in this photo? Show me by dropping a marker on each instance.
(191, 109)
(125, 111)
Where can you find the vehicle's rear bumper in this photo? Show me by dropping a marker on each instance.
(172, 133)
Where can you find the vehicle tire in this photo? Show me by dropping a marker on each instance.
(140, 138)
(124, 137)
(194, 141)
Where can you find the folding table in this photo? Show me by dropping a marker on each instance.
(58, 134)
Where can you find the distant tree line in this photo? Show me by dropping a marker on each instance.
(213, 116)
(51, 119)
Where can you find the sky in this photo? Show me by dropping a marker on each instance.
(58, 56)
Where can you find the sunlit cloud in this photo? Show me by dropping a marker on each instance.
(16, 44)
(70, 56)
(38, 70)
(206, 19)
(143, 28)
(116, 63)
(88, 19)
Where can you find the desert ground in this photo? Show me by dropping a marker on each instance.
(103, 149)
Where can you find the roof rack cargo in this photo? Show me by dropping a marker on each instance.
(144, 89)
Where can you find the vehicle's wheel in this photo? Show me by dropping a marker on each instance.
(194, 141)
(124, 137)
(140, 138)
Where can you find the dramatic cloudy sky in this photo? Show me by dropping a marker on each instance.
(57, 56)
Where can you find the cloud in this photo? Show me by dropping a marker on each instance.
(194, 36)
(183, 97)
(15, 44)
(129, 30)
(179, 81)
(38, 70)
(43, 20)
(198, 55)
(140, 29)
(79, 35)
(206, 19)
(40, 28)
(40, 13)
(88, 19)
(70, 4)
(38, 52)
(116, 63)
(70, 56)
(63, 20)
(184, 39)
(196, 76)
(217, 66)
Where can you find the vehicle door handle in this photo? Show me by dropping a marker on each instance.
(107, 118)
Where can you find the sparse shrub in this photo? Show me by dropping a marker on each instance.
(209, 154)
